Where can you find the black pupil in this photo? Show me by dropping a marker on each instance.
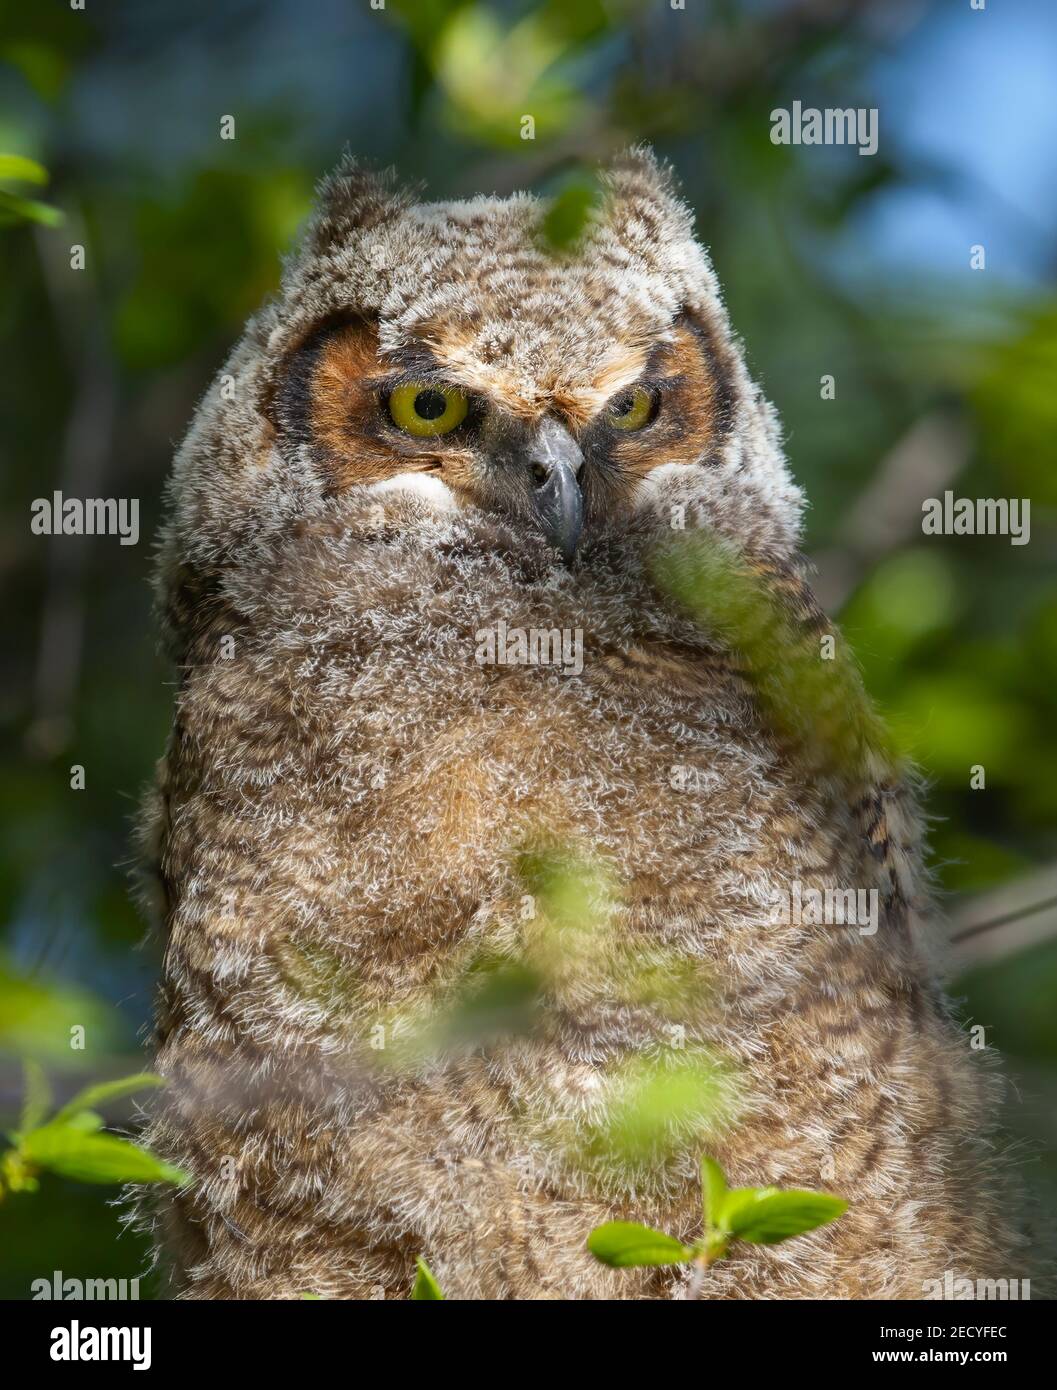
(430, 405)
(625, 405)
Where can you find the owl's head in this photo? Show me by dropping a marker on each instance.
(446, 350)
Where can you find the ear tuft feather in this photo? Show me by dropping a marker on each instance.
(354, 197)
(637, 169)
(642, 205)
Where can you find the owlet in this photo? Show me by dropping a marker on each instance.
(524, 833)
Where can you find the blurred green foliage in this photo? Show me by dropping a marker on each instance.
(110, 119)
(16, 169)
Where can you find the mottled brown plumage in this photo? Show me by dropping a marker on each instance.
(341, 818)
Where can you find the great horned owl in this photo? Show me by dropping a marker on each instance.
(442, 429)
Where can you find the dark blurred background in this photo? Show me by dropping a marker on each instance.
(833, 263)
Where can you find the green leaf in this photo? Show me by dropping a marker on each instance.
(566, 219)
(765, 1216)
(426, 1286)
(90, 1157)
(497, 999)
(22, 170)
(92, 1096)
(15, 1175)
(623, 1244)
(36, 1090)
(85, 1122)
(35, 1018)
(493, 74)
(655, 1106)
(713, 1191)
(14, 209)
(739, 1200)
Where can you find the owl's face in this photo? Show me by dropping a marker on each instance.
(560, 452)
(444, 350)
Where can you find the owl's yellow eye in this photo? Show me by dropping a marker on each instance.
(634, 409)
(426, 409)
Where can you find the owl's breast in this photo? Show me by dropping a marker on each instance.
(373, 742)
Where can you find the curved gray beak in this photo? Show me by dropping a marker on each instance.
(555, 461)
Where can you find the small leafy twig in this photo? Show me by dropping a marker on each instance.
(71, 1143)
(759, 1215)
